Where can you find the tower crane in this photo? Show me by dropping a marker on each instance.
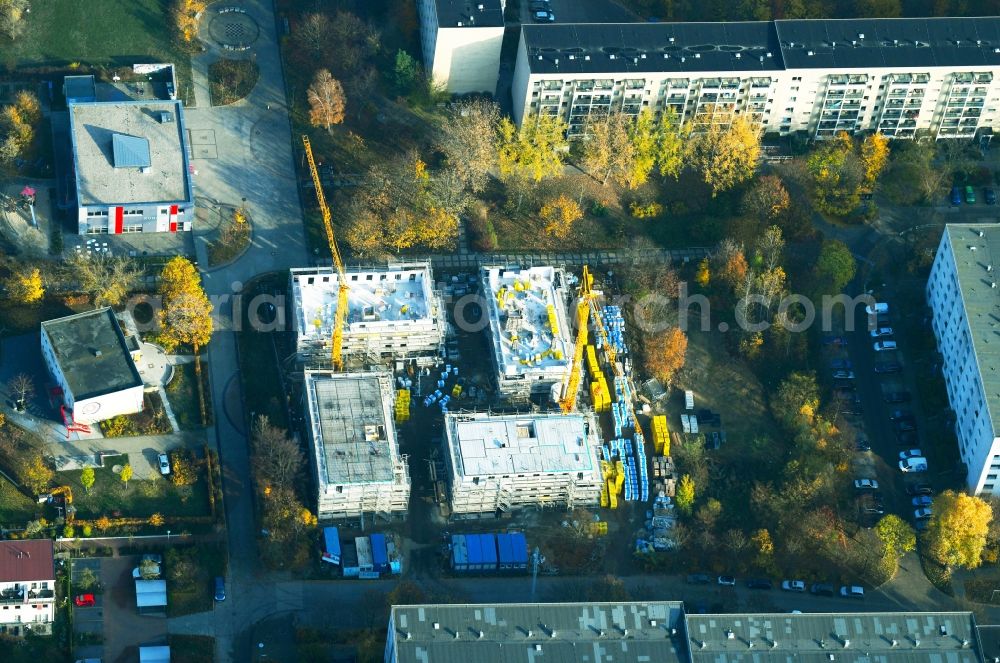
(340, 316)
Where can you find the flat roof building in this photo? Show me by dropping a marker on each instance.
(131, 167)
(906, 637)
(393, 313)
(461, 42)
(532, 632)
(93, 365)
(504, 462)
(530, 336)
(895, 76)
(355, 456)
(963, 295)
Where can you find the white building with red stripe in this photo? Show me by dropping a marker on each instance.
(131, 167)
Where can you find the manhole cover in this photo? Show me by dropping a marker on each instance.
(234, 29)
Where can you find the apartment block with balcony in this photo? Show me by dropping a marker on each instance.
(27, 586)
(819, 77)
(963, 295)
(461, 42)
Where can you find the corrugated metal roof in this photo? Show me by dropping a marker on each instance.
(130, 151)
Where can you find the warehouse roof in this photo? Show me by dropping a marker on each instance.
(526, 632)
(92, 353)
(107, 135)
(26, 560)
(652, 47)
(904, 637)
(976, 259)
(469, 13)
(890, 42)
(352, 425)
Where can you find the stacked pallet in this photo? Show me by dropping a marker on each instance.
(402, 407)
(661, 435)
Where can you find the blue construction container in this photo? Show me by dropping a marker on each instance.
(505, 552)
(488, 546)
(380, 556)
(475, 549)
(459, 553)
(331, 545)
(519, 550)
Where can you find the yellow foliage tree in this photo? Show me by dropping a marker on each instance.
(665, 353)
(956, 534)
(559, 215)
(25, 286)
(874, 158)
(186, 312)
(534, 151)
(684, 497)
(126, 474)
(186, 18)
(727, 157)
(704, 275)
(156, 520)
(103, 523)
(27, 105)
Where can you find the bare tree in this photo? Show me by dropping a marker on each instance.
(326, 100)
(108, 280)
(276, 458)
(469, 141)
(23, 387)
(12, 15)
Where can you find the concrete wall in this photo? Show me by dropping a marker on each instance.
(467, 59)
(143, 217)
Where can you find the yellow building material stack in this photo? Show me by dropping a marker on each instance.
(599, 395)
(612, 495)
(553, 320)
(661, 436)
(402, 408)
(593, 368)
(619, 476)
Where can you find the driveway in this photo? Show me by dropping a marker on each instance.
(124, 628)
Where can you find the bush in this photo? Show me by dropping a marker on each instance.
(231, 80)
(646, 211)
(183, 468)
(120, 426)
(68, 532)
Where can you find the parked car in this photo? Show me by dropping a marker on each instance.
(898, 415)
(956, 196)
(543, 16)
(922, 500)
(990, 196)
(884, 346)
(970, 195)
(852, 592)
(728, 581)
(897, 397)
(699, 578)
(910, 453)
(922, 514)
(759, 583)
(888, 367)
(220, 588)
(918, 464)
(843, 375)
(881, 332)
(793, 585)
(164, 464)
(904, 425)
(539, 5)
(866, 484)
(919, 489)
(880, 308)
(84, 601)
(821, 589)
(841, 364)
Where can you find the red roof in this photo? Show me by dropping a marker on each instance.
(26, 560)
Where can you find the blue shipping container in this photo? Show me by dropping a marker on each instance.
(505, 551)
(475, 548)
(380, 556)
(459, 553)
(519, 547)
(488, 545)
(331, 545)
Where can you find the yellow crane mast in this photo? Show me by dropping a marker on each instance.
(340, 316)
(583, 306)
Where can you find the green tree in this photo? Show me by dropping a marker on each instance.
(956, 534)
(835, 267)
(87, 579)
(126, 474)
(670, 145)
(836, 176)
(684, 495)
(796, 400)
(87, 478)
(727, 156)
(896, 535)
(405, 72)
(533, 152)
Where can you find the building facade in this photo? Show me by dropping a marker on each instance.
(131, 166)
(93, 366)
(27, 585)
(896, 76)
(504, 462)
(461, 42)
(355, 457)
(962, 293)
(393, 314)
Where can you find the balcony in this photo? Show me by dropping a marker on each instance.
(552, 85)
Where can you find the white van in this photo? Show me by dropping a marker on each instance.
(883, 346)
(915, 464)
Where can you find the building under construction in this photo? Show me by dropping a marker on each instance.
(498, 463)
(393, 313)
(355, 455)
(530, 338)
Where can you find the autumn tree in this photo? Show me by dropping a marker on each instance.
(726, 156)
(276, 458)
(684, 495)
(185, 313)
(126, 474)
(12, 17)
(606, 146)
(703, 276)
(874, 158)
(156, 520)
(671, 149)
(956, 534)
(796, 399)
(311, 36)
(183, 468)
(532, 152)
(766, 199)
(24, 286)
(665, 353)
(897, 537)
(878, 8)
(185, 13)
(836, 176)
(87, 478)
(28, 106)
(469, 141)
(35, 473)
(834, 268)
(326, 100)
(730, 263)
(148, 568)
(559, 215)
(764, 547)
(107, 280)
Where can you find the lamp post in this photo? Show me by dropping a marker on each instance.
(168, 537)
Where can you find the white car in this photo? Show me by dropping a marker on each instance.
(852, 591)
(793, 585)
(922, 514)
(866, 484)
(884, 346)
(910, 453)
(917, 464)
(164, 464)
(881, 332)
(880, 308)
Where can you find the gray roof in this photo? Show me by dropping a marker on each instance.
(904, 637)
(652, 47)
(890, 42)
(97, 131)
(981, 301)
(353, 429)
(92, 353)
(467, 12)
(80, 87)
(129, 151)
(550, 632)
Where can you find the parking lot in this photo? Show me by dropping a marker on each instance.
(579, 11)
(124, 629)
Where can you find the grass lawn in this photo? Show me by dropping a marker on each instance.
(143, 498)
(33, 649)
(192, 648)
(17, 319)
(183, 395)
(15, 507)
(195, 591)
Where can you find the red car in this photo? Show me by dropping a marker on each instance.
(84, 601)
